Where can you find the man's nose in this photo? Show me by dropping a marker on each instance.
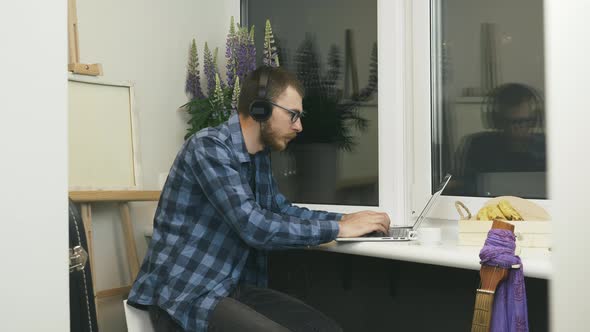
(298, 126)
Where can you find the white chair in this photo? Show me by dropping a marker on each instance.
(137, 320)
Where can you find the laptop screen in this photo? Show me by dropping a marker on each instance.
(432, 201)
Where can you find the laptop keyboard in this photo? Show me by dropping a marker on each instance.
(398, 232)
(393, 232)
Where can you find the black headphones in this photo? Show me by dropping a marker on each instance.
(261, 108)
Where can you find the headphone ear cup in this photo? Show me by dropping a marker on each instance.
(260, 110)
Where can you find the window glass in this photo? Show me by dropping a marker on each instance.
(332, 46)
(488, 121)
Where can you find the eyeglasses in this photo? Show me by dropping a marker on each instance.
(521, 123)
(295, 115)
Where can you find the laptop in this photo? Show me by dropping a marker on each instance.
(404, 233)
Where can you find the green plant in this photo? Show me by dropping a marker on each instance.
(222, 99)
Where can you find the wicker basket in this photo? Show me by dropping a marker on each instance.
(533, 232)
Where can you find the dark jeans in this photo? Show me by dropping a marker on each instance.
(162, 321)
(256, 309)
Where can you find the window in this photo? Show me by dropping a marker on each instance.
(477, 102)
(488, 127)
(332, 46)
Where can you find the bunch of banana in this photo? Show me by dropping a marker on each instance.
(503, 210)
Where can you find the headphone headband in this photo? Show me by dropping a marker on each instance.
(263, 83)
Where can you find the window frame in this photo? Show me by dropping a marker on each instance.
(423, 75)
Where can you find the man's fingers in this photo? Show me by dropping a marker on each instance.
(382, 218)
(386, 220)
(380, 228)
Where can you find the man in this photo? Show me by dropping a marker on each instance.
(220, 211)
(514, 141)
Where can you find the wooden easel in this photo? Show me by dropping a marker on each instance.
(74, 64)
(123, 197)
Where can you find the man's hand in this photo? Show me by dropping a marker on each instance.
(363, 222)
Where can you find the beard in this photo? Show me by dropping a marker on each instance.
(273, 139)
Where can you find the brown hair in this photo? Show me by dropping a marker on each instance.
(506, 96)
(278, 81)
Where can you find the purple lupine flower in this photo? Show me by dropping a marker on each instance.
(251, 52)
(193, 80)
(209, 70)
(245, 53)
(217, 101)
(235, 96)
(216, 68)
(230, 54)
(241, 52)
(270, 57)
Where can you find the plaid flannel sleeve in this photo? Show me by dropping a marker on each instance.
(219, 177)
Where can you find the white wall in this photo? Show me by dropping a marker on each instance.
(33, 247)
(147, 43)
(568, 71)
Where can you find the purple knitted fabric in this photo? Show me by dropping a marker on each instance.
(509, 313)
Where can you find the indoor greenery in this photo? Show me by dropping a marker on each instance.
(221, 100)
(329, 116)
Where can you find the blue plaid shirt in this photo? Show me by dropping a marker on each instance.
(211, 231)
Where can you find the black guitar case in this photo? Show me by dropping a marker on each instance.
(82, 305)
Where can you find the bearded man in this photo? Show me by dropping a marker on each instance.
(219, 213)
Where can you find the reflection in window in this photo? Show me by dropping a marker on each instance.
(488, 124)
(331, 45)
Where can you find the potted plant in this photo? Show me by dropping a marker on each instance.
(221, 100)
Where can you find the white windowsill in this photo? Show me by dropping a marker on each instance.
(536, 261)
